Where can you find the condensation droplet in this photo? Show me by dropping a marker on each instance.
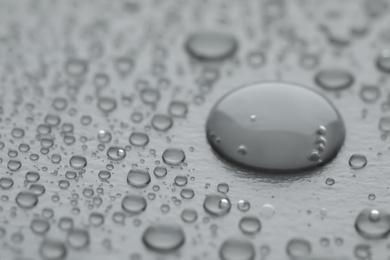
(163, 237)
(334, 79)
(211, 45)
(281, 139)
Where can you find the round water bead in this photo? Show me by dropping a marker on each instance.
(295, 128)
(163, 237)
(373, 223)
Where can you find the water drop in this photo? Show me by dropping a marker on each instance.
(333, 79)
(116, 153)
(369, 94)
(237, 249)
(282, 138)
(78, 162)
(330, 181)
(189, 215)
(298, 248)
(52, 250)
(357, 161)
(138, 178)
(211, 45)
(162, 122)
(217, 204)
(160, 171)
(373, 223)
(163, 237)
(139, 139)
(78, 238)
(250, 225)
(26, 200)
(134, 204)
(173, 156)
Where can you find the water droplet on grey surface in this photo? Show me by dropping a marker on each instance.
(150, 96)
(39, 226)
(6, 183)
(298, 248)
(187, 193)
(32, 176)
(26, 200)
(211, 45)
(14, 165)
(384, 124)
(104, 136)
(369, 94)
(78, 162)
(76, 67)
(256, 59)
(162, 122)
(334, 79)
(373, 223)
(160, 171)
(357, 161)
(282, 138)
(363, 252)
(180, 180)
(250, 225)
(178, 109)
(106, 104)
(116, 153)
(134, 204)
(138, 177)
(217, 204)
(189, 215)
(173, 156)
(163, 237)
(243, 205)
(78, 238)
(138, 139)
(330, 181)
(383, 61)
(237, 249)
(37, 189)
(223, 187)
(52, 250)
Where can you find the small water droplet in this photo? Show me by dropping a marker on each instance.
(357, 161)
(334, 79)
(211, 45)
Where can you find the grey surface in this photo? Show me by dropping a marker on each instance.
(36, 37)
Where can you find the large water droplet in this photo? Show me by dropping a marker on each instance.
(285, 136)
(163, 237)
(211, 45)
(373, 223)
